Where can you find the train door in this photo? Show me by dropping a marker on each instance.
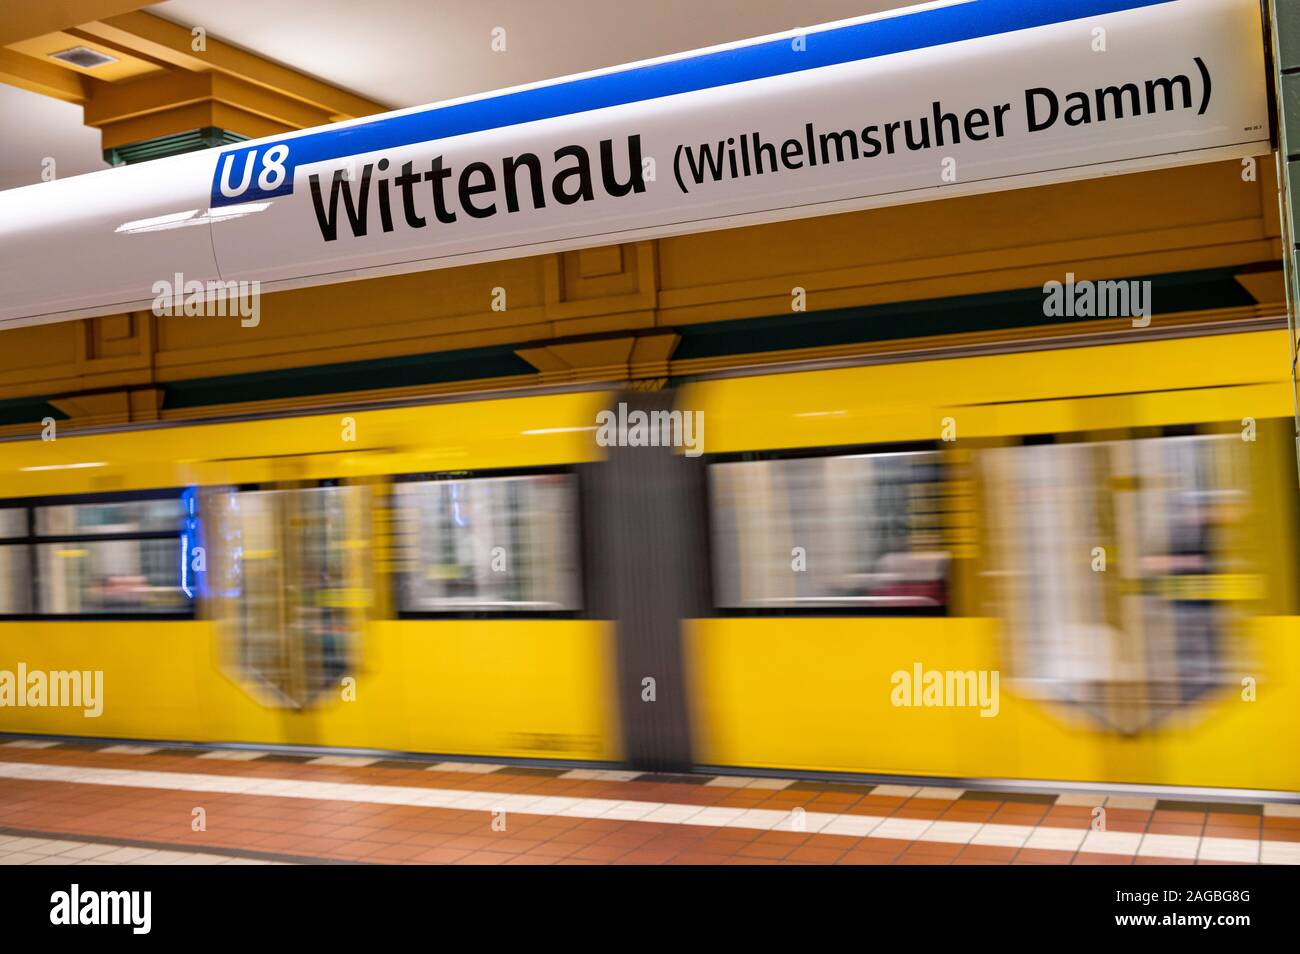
(291, 587)
(1121, 568)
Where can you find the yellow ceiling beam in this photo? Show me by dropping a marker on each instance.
(164, 81)
(25, 19)
(171, 43)
(114, 103)
(128, 66)
(184, 118)
(44, 77)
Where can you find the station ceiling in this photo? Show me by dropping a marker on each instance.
(278, 64)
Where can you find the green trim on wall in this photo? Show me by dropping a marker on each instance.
(29, 410)
(438, 368)
(1170, 293)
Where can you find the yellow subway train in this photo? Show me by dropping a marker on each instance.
(1072, 565)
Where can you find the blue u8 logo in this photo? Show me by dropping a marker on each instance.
(257, 172)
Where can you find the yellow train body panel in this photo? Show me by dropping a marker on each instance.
(1214, 378)
(469, 435)
(815, 695)
(521, 688)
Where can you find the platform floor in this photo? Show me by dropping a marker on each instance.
(104, 804)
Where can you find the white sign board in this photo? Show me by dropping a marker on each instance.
(930, 101)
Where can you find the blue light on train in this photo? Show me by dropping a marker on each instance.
(193, 578)
(455, 507)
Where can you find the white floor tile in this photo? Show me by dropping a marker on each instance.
(469, 768)
(766, 819)
(1168, 846)
(1001, 836)
(234, 755)
(857, 825)
(1279, 810)
(939, 793)
(588, 808)
(197, 858)
(1229, 849)
(43, 848)
(1279, 853)
(713, 817)
(816, 822)
(1076, 800)
(673, 814)
(896, 791)
(1137, 802)
(632, 811)
(123, 856)
(88, 851)
(601, 775)
(1055, 839)
(53, 846)
(907, 829)
(953, 833)
(1112, 842)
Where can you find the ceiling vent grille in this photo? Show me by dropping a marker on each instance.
(176, 144)
(84, 57)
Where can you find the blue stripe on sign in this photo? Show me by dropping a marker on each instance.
(860, 41)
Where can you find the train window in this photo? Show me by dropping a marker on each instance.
(15, 573)
(109, 517)
(13, 522)
(857, 531)
(108, 557)
(117, 576)
(289, 575)
(15, 580)
(488, 544)
(1121, 569)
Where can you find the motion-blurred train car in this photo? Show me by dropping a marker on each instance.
(242, 581)
(1102, 564)
(1107, 529)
